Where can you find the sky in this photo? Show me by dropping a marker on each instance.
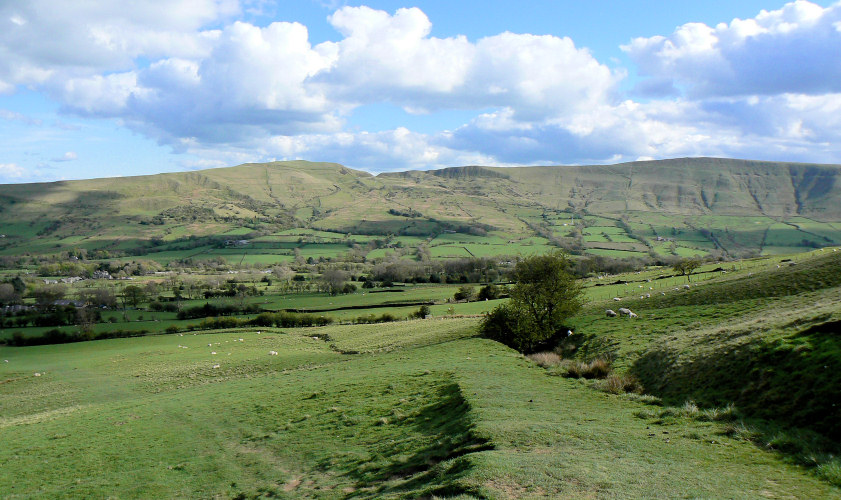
(94, 88)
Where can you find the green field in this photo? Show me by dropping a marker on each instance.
(425, 408)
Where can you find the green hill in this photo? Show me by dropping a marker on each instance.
(681, 207)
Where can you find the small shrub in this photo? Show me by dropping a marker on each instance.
(172, 329)
(421, 313)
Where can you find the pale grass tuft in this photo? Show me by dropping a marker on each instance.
(545, 359)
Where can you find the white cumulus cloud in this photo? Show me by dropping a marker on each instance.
(791, 50)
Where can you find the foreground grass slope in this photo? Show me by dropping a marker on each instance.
(422, 408)
(765, 341)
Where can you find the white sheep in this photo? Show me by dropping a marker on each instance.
(686, 287)
(610, 313)
(272, 353)
(617, 299)
(624, 311)
(633, 315)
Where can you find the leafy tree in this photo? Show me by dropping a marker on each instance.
(18, 285)
(465, 293)
(686, 266)
(333, 281)
(8, 295)
(545, 295)
(46, 295)
(134, 295)
(489, 292)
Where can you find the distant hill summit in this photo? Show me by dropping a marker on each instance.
(682, 207)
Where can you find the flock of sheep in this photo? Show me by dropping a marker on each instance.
(624, 311)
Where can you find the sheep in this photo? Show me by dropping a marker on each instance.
(272, 353)
(610, 313)
(617, 299)
(633, 315)
(212, 352)
(648, 296)
(624, 311)
(686, 287)
(216, 366)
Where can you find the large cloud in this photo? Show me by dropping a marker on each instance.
(393, 58)
(43, 40)
(250, 85)
(229, 91)
(791, 50)
(253, 83)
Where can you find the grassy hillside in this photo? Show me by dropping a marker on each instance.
(740, 371)
(681, 207)
(446, 415)
(763, 338)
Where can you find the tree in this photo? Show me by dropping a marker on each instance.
(8, 295)
(544, 296)
(47, 295)
(686, 266)
(134, 295)
(333, 281)
(465, 293)
(98, 297)
(489, 292)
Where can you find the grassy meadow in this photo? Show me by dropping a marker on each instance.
(731, 394)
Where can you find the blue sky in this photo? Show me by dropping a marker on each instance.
(100, 89)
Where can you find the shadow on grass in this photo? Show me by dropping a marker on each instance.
(435, 468)
(786, 389)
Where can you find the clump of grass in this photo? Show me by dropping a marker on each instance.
(739, 431)
(598, 368)
(646, 399)
(545, 359)
(690, 409)
(620, 384)
(726, 414)
(830, 471)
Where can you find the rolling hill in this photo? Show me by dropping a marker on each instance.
(683, 207)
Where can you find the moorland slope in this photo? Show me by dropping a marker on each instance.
(680, 207)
